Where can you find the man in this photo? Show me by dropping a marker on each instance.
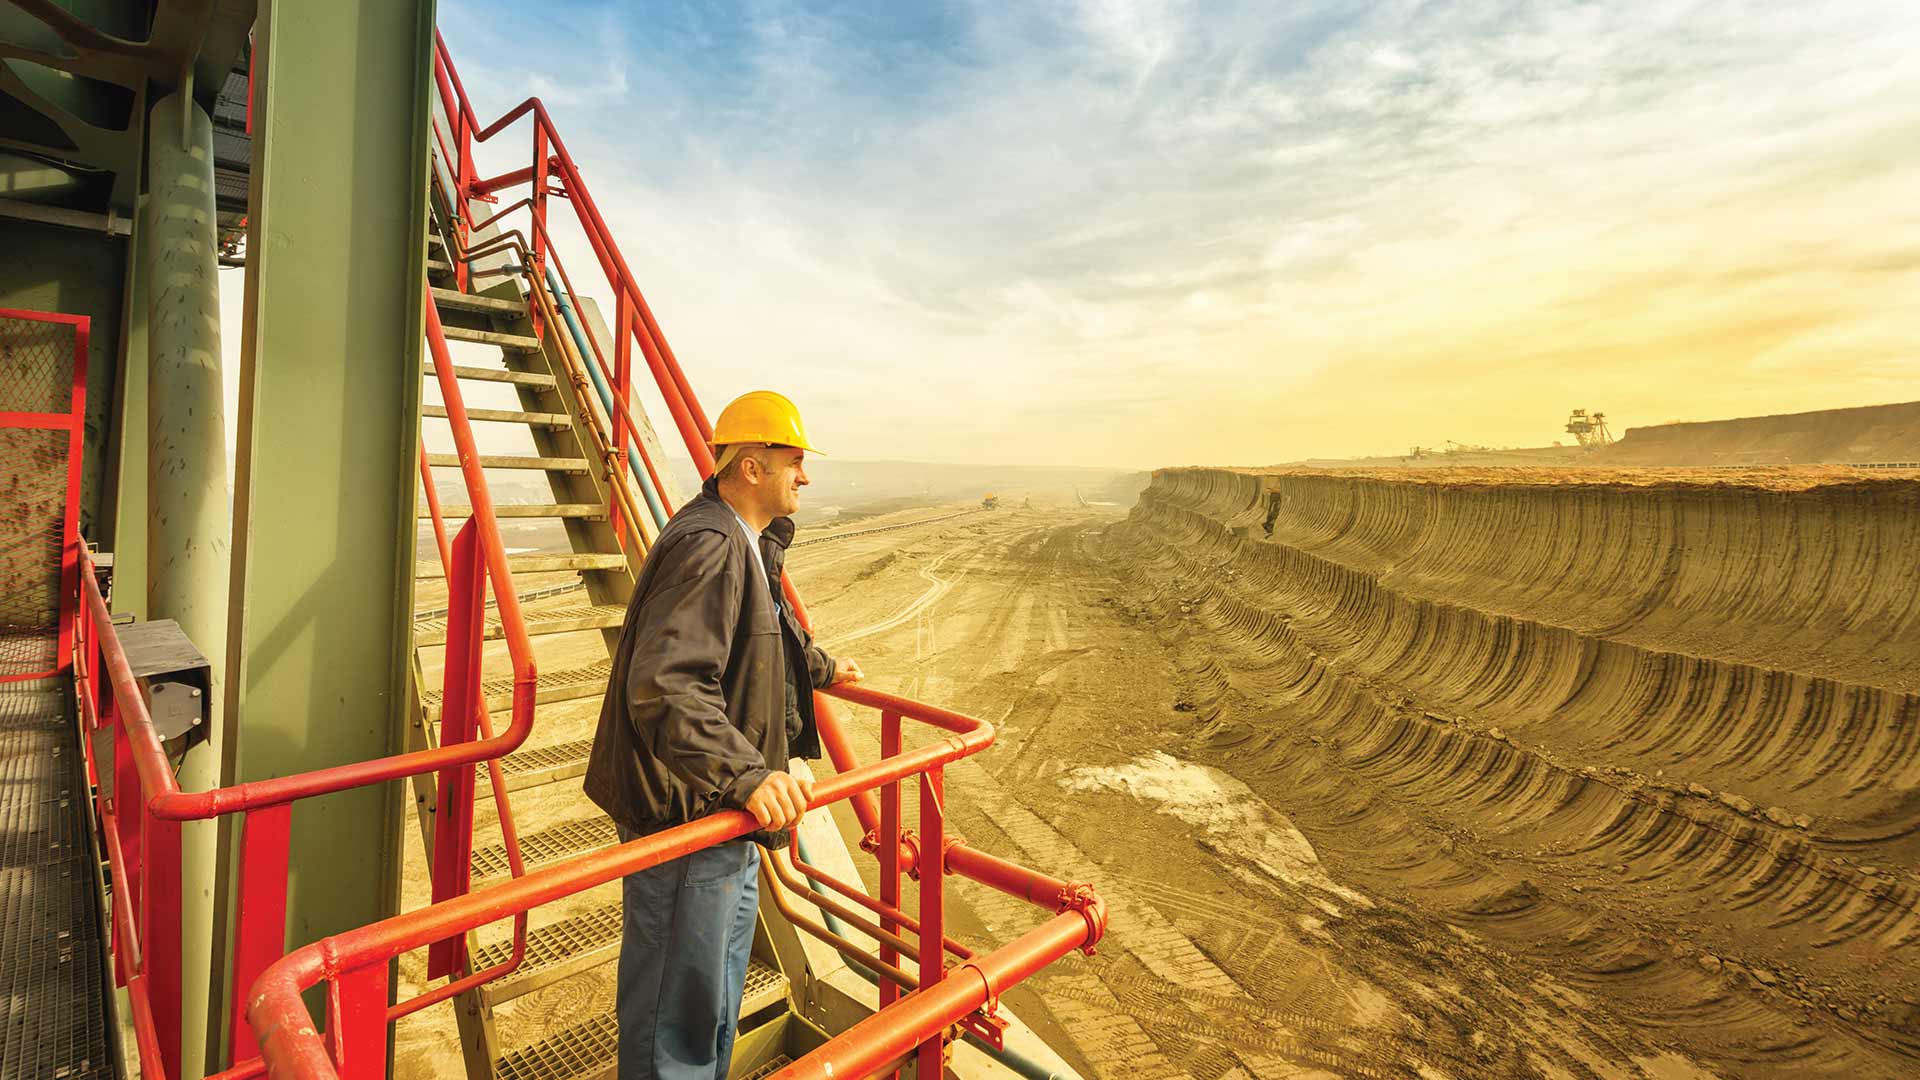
(710, 696)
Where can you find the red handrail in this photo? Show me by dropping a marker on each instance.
(143, 816)
(354, 963)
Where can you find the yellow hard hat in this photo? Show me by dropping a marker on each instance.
(761, 416)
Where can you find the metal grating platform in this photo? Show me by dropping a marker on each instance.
(52, 977)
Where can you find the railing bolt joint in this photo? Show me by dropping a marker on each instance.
(946, 851)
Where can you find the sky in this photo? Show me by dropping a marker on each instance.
(1138, 234)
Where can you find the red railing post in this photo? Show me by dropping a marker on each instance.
(932, 908)
(128, 817)
(260, 931)
(70, 524)
(160, 926)
(433, 510)
(463, 179)
(889, 852)
(357, 1022)
(461, 699)
(539, 211)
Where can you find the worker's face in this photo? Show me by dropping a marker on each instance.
(779, 487)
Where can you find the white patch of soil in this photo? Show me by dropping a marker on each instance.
(1237, 822)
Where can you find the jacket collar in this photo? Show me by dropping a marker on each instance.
(779, 530)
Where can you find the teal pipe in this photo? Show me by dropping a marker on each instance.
(1028, 1068)
(634, 464)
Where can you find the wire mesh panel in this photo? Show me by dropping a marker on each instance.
(37, 360)
(42, 410)
(33, 511)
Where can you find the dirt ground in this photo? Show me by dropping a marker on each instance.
(1300, 887)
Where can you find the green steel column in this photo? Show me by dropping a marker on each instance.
(126, 442)
(187, 519)
(317, 670)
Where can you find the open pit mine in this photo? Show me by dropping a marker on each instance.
(1600, 772)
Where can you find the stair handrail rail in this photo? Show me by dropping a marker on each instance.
(462, 680)
(142, 832)
(616, 375)
(633, 316)
(354, 963)
(622, 502)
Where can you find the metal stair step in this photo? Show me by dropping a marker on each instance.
(765, 986)
(537, 767)
(562, 620)
(536, 564)
(518, 342)
(504, 416)
(551, 844)
(454, 298)
(513, 461)
(499, 375)
(569, 684)
(554, 952)
(585, 1050)
(589, 1048)
(524, 510)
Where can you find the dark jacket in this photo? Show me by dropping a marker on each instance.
(700, 705)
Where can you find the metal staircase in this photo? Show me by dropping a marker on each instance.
(573, 636)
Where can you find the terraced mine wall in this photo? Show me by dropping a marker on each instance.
(1656, 737)
(1874, 434)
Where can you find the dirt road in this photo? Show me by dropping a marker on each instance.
(1294, 895)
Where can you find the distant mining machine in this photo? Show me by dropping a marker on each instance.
(990, 501)
(1590, 429)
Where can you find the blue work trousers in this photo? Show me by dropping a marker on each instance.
(688, 933)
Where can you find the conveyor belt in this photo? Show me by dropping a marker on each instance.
(53, 984)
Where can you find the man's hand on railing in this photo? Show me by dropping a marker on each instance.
(780, 800)
(846, 671)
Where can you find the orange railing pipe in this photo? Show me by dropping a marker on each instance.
(288, 1041)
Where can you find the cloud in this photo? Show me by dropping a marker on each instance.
(1142, 233)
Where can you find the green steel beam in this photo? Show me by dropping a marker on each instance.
(317, 670)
